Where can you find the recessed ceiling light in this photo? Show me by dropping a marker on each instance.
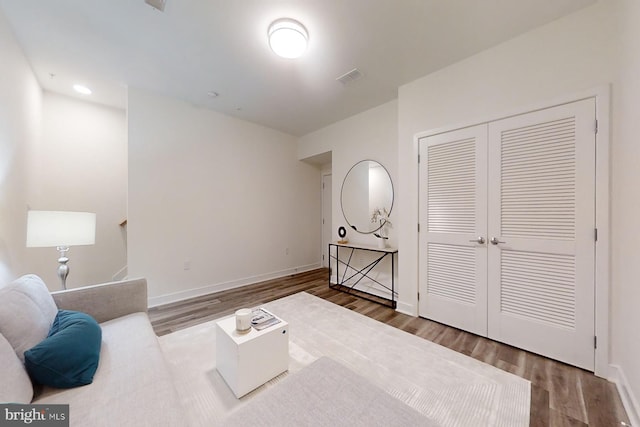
(288, 38)
(82, 89)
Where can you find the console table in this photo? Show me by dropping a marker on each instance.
(352, 275)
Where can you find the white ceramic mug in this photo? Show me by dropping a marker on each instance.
(243, 319)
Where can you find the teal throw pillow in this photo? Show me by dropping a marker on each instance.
(69, 356)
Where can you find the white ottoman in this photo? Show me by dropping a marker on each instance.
(246, 361)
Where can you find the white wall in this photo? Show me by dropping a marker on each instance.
(596, 46)
(20, 109)
(625, 202)
(569, 55)
(57, 153)
(225, 198)
(80, 164)
(371, 135)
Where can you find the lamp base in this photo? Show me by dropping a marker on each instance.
(63, 268)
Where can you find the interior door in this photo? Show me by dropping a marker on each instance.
(453, 220)
(541, 213)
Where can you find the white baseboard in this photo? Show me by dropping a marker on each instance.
(408, 309)
(191, 293)
(629, 401)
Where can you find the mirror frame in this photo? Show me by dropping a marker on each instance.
(351, 226)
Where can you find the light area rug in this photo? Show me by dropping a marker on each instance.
(446, 386)
(323, 394)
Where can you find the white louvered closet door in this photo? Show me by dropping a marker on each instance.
(453, 214)
(541, 208)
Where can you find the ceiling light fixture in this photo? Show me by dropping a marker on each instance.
(82, 89)
(288, 38)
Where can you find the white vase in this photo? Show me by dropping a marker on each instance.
(382, 243)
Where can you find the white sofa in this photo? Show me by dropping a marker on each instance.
(132, 385)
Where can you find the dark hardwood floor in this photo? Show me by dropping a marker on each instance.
(561, 395)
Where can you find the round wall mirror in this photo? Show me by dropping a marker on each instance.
(367, 187)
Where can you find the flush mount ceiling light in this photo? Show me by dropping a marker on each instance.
(82, 89)
(288, 38)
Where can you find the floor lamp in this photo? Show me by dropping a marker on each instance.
(61, 230)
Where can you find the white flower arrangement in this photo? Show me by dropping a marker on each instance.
(381, 216)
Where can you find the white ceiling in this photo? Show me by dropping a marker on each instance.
(197, 46)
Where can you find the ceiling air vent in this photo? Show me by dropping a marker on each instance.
(157, 4)
(350, 77)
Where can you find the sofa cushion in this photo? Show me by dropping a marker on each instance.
(15, 386)
(69, 356)
(27, 311)
(132, 386)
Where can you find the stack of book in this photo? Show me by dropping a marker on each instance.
(261, 319)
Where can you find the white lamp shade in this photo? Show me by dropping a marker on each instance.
(56, 228)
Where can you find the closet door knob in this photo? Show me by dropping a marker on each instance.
(479, 239)
(495, 241)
